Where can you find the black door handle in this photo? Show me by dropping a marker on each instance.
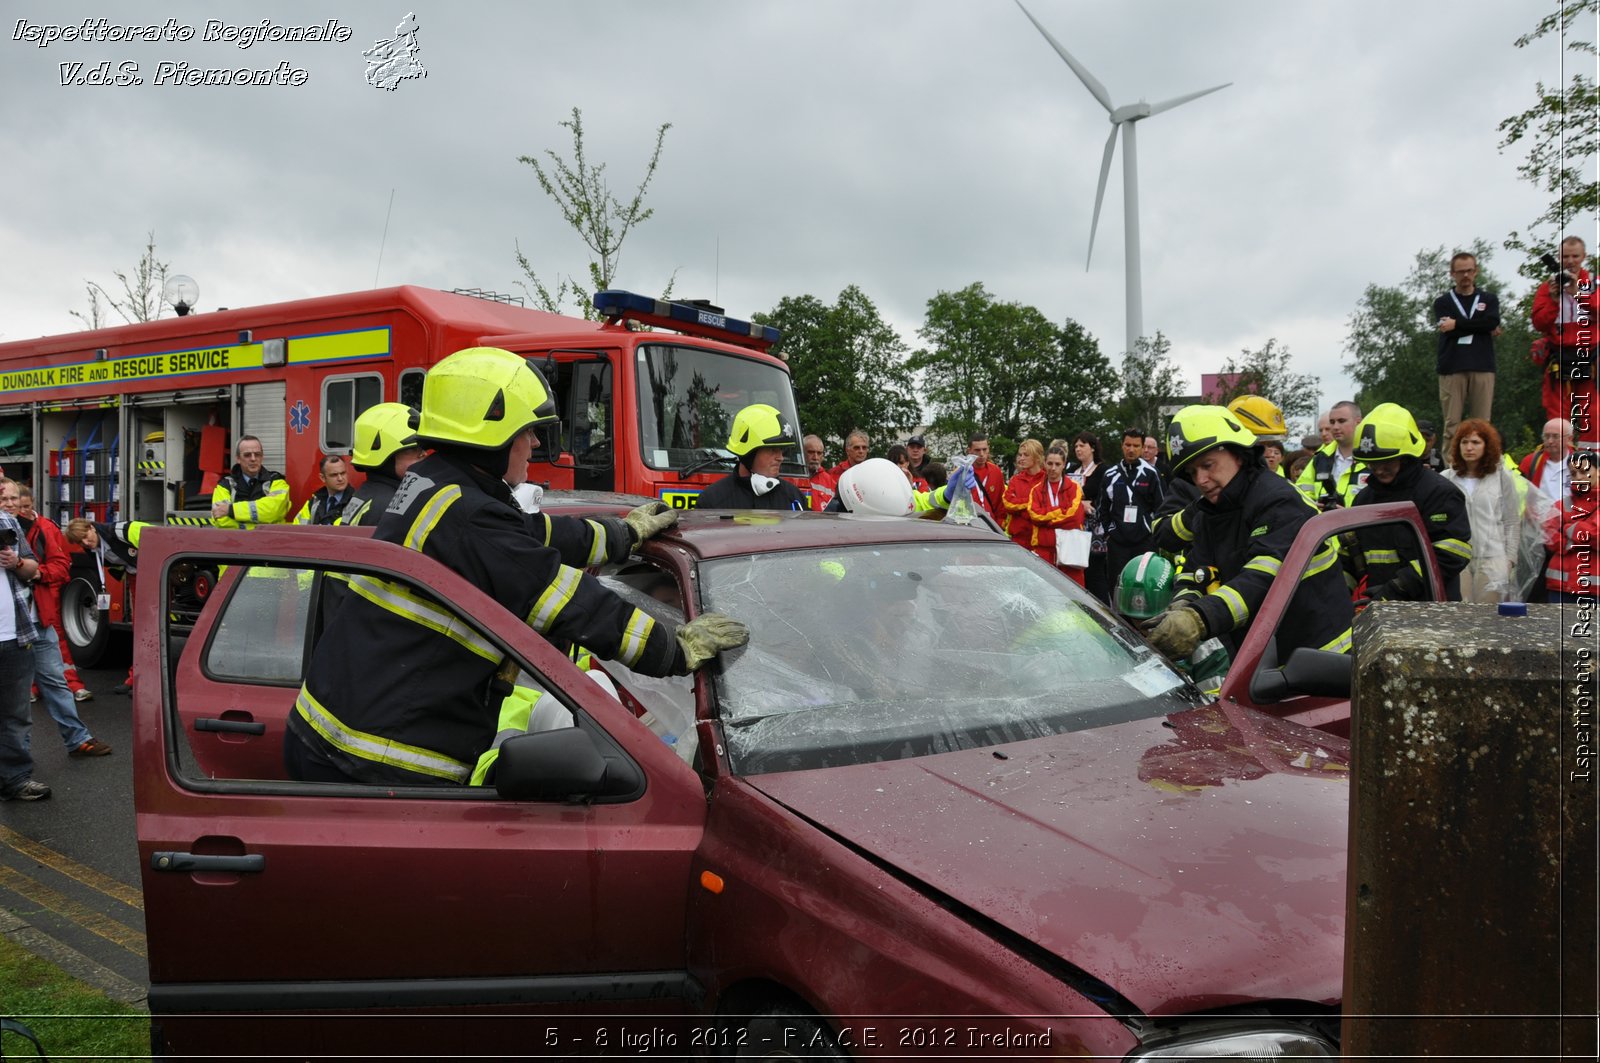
(243, 727)
(185, 862)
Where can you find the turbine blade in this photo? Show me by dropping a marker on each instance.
(1167, 105)
(1100, 193)
(1098, 90)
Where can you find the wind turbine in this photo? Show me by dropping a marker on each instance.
(1123, 119)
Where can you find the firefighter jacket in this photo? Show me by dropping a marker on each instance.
(401, 691)
(1573, 536)
(1324, 489)
(1390, 552)
(263, 500)
(734, 492)
(55, 567)
(323, 508)
(1173, 526)
(1051, 508)
(1015, 519)
(1244, 536)
(367, 505)
(119, 545)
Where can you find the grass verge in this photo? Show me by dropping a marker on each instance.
(71, 1019)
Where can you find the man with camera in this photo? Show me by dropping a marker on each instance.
(1566, 309)
(1468, 321)
(17, 635)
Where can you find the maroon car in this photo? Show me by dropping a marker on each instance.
(942, 805)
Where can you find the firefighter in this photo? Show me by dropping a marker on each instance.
(1145, 588)
(1262, 416)
(398, 694)
(1389, 558)
(759, 437)
(115, 549)
(1243, 524)
(386, 446)
(1332, 477)
(250, 495)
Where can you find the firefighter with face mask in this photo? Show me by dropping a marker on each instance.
(1389, 444)
(386, 446)
(426, 714)
(759, 438)
(1242, 527)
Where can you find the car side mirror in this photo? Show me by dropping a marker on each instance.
(1318, 673)
(565, 764)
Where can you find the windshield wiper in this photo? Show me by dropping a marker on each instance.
(709, 458)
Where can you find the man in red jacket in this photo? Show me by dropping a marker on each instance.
(55, 569)
(991, 480)
(856, 447)
(1566, 309)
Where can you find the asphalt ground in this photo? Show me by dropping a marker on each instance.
(69, 865)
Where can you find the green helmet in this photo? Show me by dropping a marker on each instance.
(1145, 587)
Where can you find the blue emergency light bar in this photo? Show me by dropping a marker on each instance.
(684, 317)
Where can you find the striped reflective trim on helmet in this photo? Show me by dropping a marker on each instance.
(1270, 565)
(1338, 645)
(554, 599)
(1457, 547)
(1382, 557)
(376, 748)
(396, 599)
(635, 636)
(1322, 560)
(597, 552)
(1236, 607)
(430, 516)
(1180, 529)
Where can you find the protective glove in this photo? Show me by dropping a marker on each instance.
(709, 634)
(961, 474)
(1177, 632)
(650, 519)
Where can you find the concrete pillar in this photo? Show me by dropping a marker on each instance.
(1471, 917)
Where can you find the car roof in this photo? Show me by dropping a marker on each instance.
(732, 533)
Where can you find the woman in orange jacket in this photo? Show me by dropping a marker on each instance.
(1030, 470)
(1055, 504)
(1573, 535)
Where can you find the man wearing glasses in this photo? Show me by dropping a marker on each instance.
(1468, 321)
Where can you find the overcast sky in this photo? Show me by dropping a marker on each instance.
(905, 146)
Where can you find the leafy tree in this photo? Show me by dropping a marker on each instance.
(1393, 344)
(1148, 381)
(1266, 372)
(1562, 132)
(586, 202)
(1005, 369)
(141, 292)
(849, 366)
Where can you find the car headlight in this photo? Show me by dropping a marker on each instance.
(1240, 1042)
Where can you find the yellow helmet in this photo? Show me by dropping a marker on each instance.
(1259, 415)
(1195, 430)
(759, 426)
(1388, 432)
(483, 397)
(381, 431)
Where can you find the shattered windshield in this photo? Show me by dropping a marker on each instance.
(870, 653)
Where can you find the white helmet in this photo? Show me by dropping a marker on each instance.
(876, 488)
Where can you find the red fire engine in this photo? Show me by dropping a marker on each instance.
(137, 422)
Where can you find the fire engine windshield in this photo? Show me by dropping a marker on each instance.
(689, 396)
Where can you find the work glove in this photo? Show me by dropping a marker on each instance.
(1176, 632)
(652, 518)
(707, 635)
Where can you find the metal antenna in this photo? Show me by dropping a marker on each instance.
(385, 238)
(1123, 119)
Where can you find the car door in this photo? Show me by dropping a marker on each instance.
(267, 895)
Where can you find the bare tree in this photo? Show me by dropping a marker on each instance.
(580, 190)
(141, 291)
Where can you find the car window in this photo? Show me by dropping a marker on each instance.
(260, 634)
(888, 652)
(665, 704)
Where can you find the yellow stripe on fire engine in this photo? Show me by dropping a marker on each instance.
(336, 346)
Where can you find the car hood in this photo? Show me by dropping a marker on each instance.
(1190, 861)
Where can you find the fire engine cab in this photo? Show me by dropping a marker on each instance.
(138, 422)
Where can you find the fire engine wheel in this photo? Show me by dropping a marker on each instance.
(88, 629)
(787, 1033)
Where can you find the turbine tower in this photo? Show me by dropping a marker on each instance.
(1123, 119)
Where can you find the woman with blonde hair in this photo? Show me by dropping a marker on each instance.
(1494, 510)
(1030, 469)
